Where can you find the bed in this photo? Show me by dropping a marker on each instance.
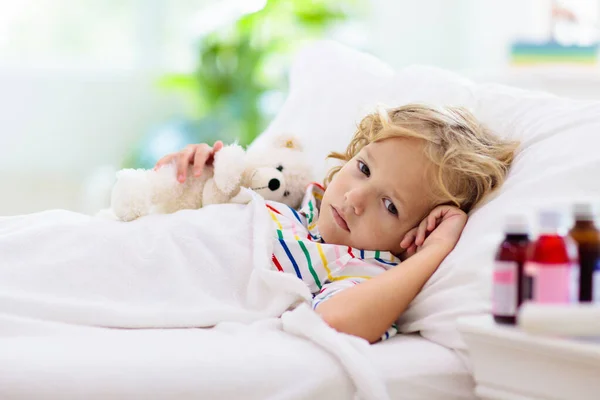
(230, 363)
(331, 88)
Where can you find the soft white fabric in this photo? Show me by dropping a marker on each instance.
(185, 270)
(332, 87)
(416, 368)
(231, 361)
(193, 269)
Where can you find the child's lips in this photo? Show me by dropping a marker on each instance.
(339, 219)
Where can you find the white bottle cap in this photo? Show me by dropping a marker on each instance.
(584, 211)
(516, 224)
(550, 220)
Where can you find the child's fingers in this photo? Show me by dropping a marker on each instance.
(431, 222)
(411, 251)
(165, 160)
(436, 217)
(422, 232)
(203, 153)
(183, 160)
(198, 168)
(409, 238)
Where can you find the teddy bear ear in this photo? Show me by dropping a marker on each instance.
(289, 142)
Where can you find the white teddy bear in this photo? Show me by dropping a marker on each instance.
(279, 173)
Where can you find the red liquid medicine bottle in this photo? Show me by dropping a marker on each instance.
(510, 259)
(550, 273)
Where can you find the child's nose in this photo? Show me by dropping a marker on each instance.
(356, 200)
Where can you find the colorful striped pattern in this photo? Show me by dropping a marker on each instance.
(325, 268)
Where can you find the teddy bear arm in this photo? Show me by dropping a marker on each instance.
(130, 197)
(229, 166)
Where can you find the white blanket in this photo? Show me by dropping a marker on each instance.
(189, 269)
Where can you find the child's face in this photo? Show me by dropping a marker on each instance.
(378, 196)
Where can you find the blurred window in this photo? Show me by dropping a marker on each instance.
(113, 34)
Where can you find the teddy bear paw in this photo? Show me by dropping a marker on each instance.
(243, 197)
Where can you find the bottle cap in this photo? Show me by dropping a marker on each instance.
(583, 211)
(516, 224)
(550, 220)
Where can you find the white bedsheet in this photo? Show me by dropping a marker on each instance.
(193, 268)
(232, 361)
(416, 368)
(67, 273)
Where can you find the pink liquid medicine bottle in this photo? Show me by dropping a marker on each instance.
(550, 273)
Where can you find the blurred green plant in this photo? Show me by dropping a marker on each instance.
(241, 69)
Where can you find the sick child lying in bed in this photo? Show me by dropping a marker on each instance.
(409, 176)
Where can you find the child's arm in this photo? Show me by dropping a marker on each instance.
(369, 309)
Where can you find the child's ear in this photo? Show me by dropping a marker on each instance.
(288, 142)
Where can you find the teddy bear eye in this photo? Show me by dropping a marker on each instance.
(286, 193)
(279, 168)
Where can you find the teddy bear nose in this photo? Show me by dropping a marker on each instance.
(274, 184)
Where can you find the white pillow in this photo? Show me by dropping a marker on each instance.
(329, 92)
(332, 87)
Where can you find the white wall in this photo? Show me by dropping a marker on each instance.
(57, 126)
(453, 34)
(473, 37)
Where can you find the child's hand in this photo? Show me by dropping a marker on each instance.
(197, 155)
(442, 228)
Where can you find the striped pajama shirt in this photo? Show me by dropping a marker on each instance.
(327, 269)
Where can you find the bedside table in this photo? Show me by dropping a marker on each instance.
(510, 364)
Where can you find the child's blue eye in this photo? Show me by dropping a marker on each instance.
(390, 207)
(364, 168)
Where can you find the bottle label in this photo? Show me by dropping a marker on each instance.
(553, 283)
(504, 295)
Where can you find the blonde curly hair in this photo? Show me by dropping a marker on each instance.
(471, 161)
